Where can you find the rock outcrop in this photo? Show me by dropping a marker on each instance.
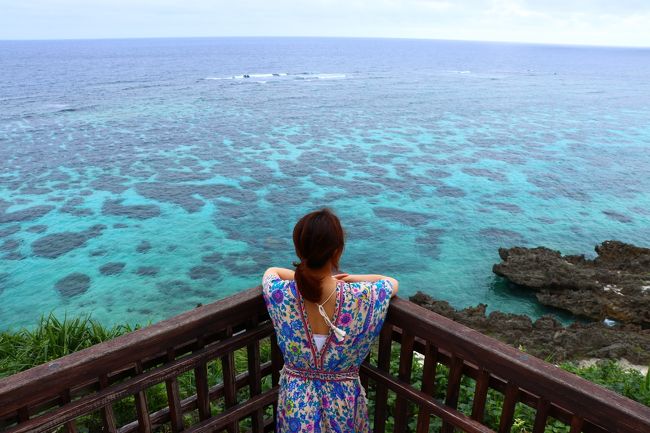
(548, 339)
(615, 285)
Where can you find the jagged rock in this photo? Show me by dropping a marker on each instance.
(546, 338)
(616, 284)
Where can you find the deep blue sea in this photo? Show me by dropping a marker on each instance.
(139, 178)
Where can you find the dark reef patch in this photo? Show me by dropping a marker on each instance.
(72, 207)
(617, 216)
(73, 284)
(508, 207)
(112, 268)
(40, 228)
(138, 211)
(29, 214)
(4, 281)
(35, 190)
(203, 272)
(14, 255)
(10, 245)
(143, 247)
(437, 174)
(174, 288)
(147, 271)
(213, 258)
(120, 226)
(54, 245)
(181, 195)
(8, 231)
(450, 191)
(114, 184)
(409, 218)
(483, 172)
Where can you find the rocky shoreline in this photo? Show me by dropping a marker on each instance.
(613, 290)
(614, 285)
(547, 338)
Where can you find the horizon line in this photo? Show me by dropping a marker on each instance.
(555, 44)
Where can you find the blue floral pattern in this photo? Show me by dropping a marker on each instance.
(320, 391)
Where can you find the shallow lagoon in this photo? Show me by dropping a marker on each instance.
(167, 179)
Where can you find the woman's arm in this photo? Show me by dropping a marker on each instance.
(372, 278)
(284, 274)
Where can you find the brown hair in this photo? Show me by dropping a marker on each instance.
(317, 237)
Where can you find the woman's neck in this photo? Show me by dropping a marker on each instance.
(327, 282)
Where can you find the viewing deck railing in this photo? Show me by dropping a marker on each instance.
(227, 355)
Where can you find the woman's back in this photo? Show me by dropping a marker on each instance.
(320, 389)
(360, 310)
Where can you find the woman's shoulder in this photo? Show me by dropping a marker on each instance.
(273, 283)
(371, 289)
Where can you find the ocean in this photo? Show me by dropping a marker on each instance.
(139, 178)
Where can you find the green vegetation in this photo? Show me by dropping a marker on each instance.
(53, 338)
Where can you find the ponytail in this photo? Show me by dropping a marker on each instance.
(307, 283)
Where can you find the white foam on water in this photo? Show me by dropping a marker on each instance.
(330, 76)
(306, 76)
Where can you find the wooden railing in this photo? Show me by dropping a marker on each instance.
(217, 369)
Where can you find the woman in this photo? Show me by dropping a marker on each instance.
(325, 325)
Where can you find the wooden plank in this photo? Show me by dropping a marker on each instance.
(480, 395)
(276, 362)
(428, 385)
(577, 422)
(70, 426)
(508, 408)
(404, 374)
(230, 392)
(141, 407)
(173, 399)
(381, 391)
(543, 407)
(453, 389)
(23, 414)
(27, 387)
(107, 414)
(449, 415)
(115, 392)
(202, 386)
(255, 379)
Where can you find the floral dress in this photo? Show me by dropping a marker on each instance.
(320, 390)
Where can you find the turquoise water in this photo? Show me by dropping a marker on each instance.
(160, 177)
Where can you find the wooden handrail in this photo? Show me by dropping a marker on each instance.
(593, 402)
(60, 392)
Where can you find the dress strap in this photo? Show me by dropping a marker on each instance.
(340, 333)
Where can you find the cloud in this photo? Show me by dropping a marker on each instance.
(550, 21)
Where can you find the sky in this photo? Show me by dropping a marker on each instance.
(573, 22)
